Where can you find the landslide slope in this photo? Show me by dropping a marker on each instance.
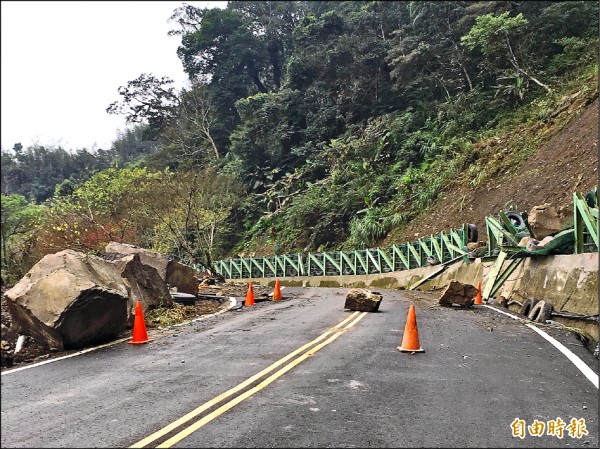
(566, 162)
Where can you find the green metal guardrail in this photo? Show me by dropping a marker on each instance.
(442, 247)
(503, 232)
(585, 222)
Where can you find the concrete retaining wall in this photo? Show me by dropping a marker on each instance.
(568, 282)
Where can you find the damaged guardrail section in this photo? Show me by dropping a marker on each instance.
(433, 250)
(505, 233)
(585, 223)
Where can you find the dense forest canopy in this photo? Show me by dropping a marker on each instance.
(319, 124)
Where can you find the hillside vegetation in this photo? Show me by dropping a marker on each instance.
(311, 126)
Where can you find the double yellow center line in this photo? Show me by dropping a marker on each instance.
(333, 334)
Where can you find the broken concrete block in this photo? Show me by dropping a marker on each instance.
(458, 293)
(546, 240)
(525, 241)
(363, 300)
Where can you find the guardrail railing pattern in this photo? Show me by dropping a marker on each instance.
(440, 248)
(435, 249)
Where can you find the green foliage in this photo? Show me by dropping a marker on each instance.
(102, 209)
(576, 52)
(365, 231)
(181, 214)
(425, 57)
(189, 211)
(36, 171)
(568, 19)
(272, 124)
(499, 38)
(19, 221)
(148, 99)
(490, 32)
(130, 145)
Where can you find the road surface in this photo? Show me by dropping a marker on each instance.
(304, 372)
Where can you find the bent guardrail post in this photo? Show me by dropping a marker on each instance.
(584, 218)
(491, 235)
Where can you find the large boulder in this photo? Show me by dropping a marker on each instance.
(173, 273)
(143, 283)
(459, 294)
(182, 277)
(544, 221)
(362, 300)
(70, 300)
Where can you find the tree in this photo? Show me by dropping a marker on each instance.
(190, 210)
(181, 214)
(102, 209)
(271, 126)
(130, 146)
(148, 99)
(223, 46)
(190, 137)
(237, 52)
(493, 35)
(272, 22)
(181, 121)
(339, 65)
(426, 55)
(19, 219)
(35, 171)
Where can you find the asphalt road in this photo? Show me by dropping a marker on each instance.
(484, 380)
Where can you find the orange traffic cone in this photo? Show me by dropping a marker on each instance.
(249, 296)
(410, 340)
(139, 327)
(478, 297)
(277, 292)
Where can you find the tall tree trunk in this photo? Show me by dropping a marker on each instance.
(257, 82)
(513, 61)
(461, 63)
(274, 52)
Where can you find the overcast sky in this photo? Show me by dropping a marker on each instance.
(63, 62)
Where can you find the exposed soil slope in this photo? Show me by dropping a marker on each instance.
(568, 162)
